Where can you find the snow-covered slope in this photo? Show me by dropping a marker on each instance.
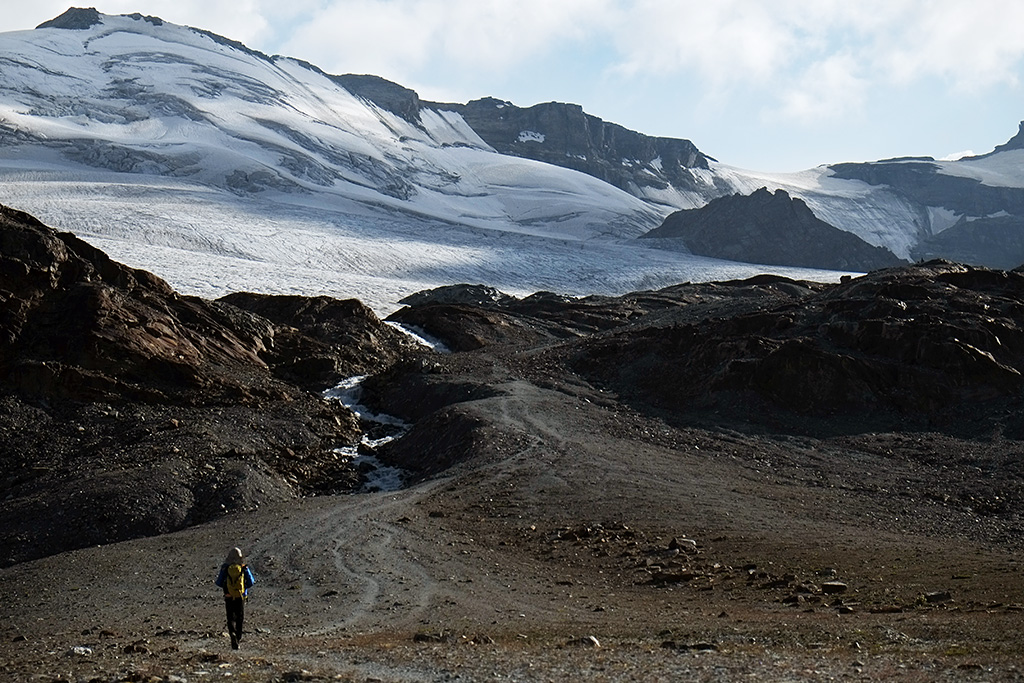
(145, 97)
(220, 168)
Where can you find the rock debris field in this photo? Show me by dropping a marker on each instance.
(752, 480)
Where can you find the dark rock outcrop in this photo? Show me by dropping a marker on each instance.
(773, 229)
(910, 346)
(77, 325)
(564, 135)
(916, 347)
(128, 410)
(997, 241)
(79, 19)
(921, 182)
(386, 94)
(474, 295)
(75, 18)
(321, 340)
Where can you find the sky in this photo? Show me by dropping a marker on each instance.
(765, 85)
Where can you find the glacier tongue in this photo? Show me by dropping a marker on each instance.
(223, 169)
(209, 242)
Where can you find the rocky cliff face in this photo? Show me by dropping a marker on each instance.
(989, 225)
(931, 346)
(769, 228)
(997, 241)
(565, 135)
(1016, 142)
(128, 410)
(556, 133)
(921, 182)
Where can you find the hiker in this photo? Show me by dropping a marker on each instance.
(235, 578)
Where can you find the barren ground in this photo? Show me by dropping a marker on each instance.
(540, 561)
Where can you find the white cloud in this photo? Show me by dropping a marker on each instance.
(724, 42)
(397, 38)
(956, 156)
(974, 45)
(829, 89)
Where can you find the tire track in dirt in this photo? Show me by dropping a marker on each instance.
(349, 566)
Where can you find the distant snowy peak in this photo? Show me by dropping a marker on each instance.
(80, 19)
(661, 170)
(133, 94)
(140, 97)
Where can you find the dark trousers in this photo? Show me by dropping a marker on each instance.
(236, 611)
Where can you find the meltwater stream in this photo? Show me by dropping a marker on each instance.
(379, 477)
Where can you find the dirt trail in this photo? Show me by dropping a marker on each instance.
(475, 557)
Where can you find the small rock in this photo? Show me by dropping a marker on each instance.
(833, 587)
(81, 651)
(687, 545)
(586, 641)
(938, 596)
(695, 647)
(886, 609)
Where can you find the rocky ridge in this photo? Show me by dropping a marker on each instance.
(130, 410)
(563, 134)
(736, 479)
(769, 228)
(556, 133)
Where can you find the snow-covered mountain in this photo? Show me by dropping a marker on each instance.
(221, 169)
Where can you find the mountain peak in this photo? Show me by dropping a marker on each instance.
(771, 228)
(75, 18)
(1016, 142)
(81, 18)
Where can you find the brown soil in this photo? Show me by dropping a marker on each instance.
(763, 480)
(571, 527)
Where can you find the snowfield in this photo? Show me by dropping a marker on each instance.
(209, 243)
(221, 169)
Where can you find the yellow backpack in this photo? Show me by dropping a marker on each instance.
(236, 581)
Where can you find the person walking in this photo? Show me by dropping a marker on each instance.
(235, 578)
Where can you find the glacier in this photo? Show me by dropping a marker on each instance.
(223, 169)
